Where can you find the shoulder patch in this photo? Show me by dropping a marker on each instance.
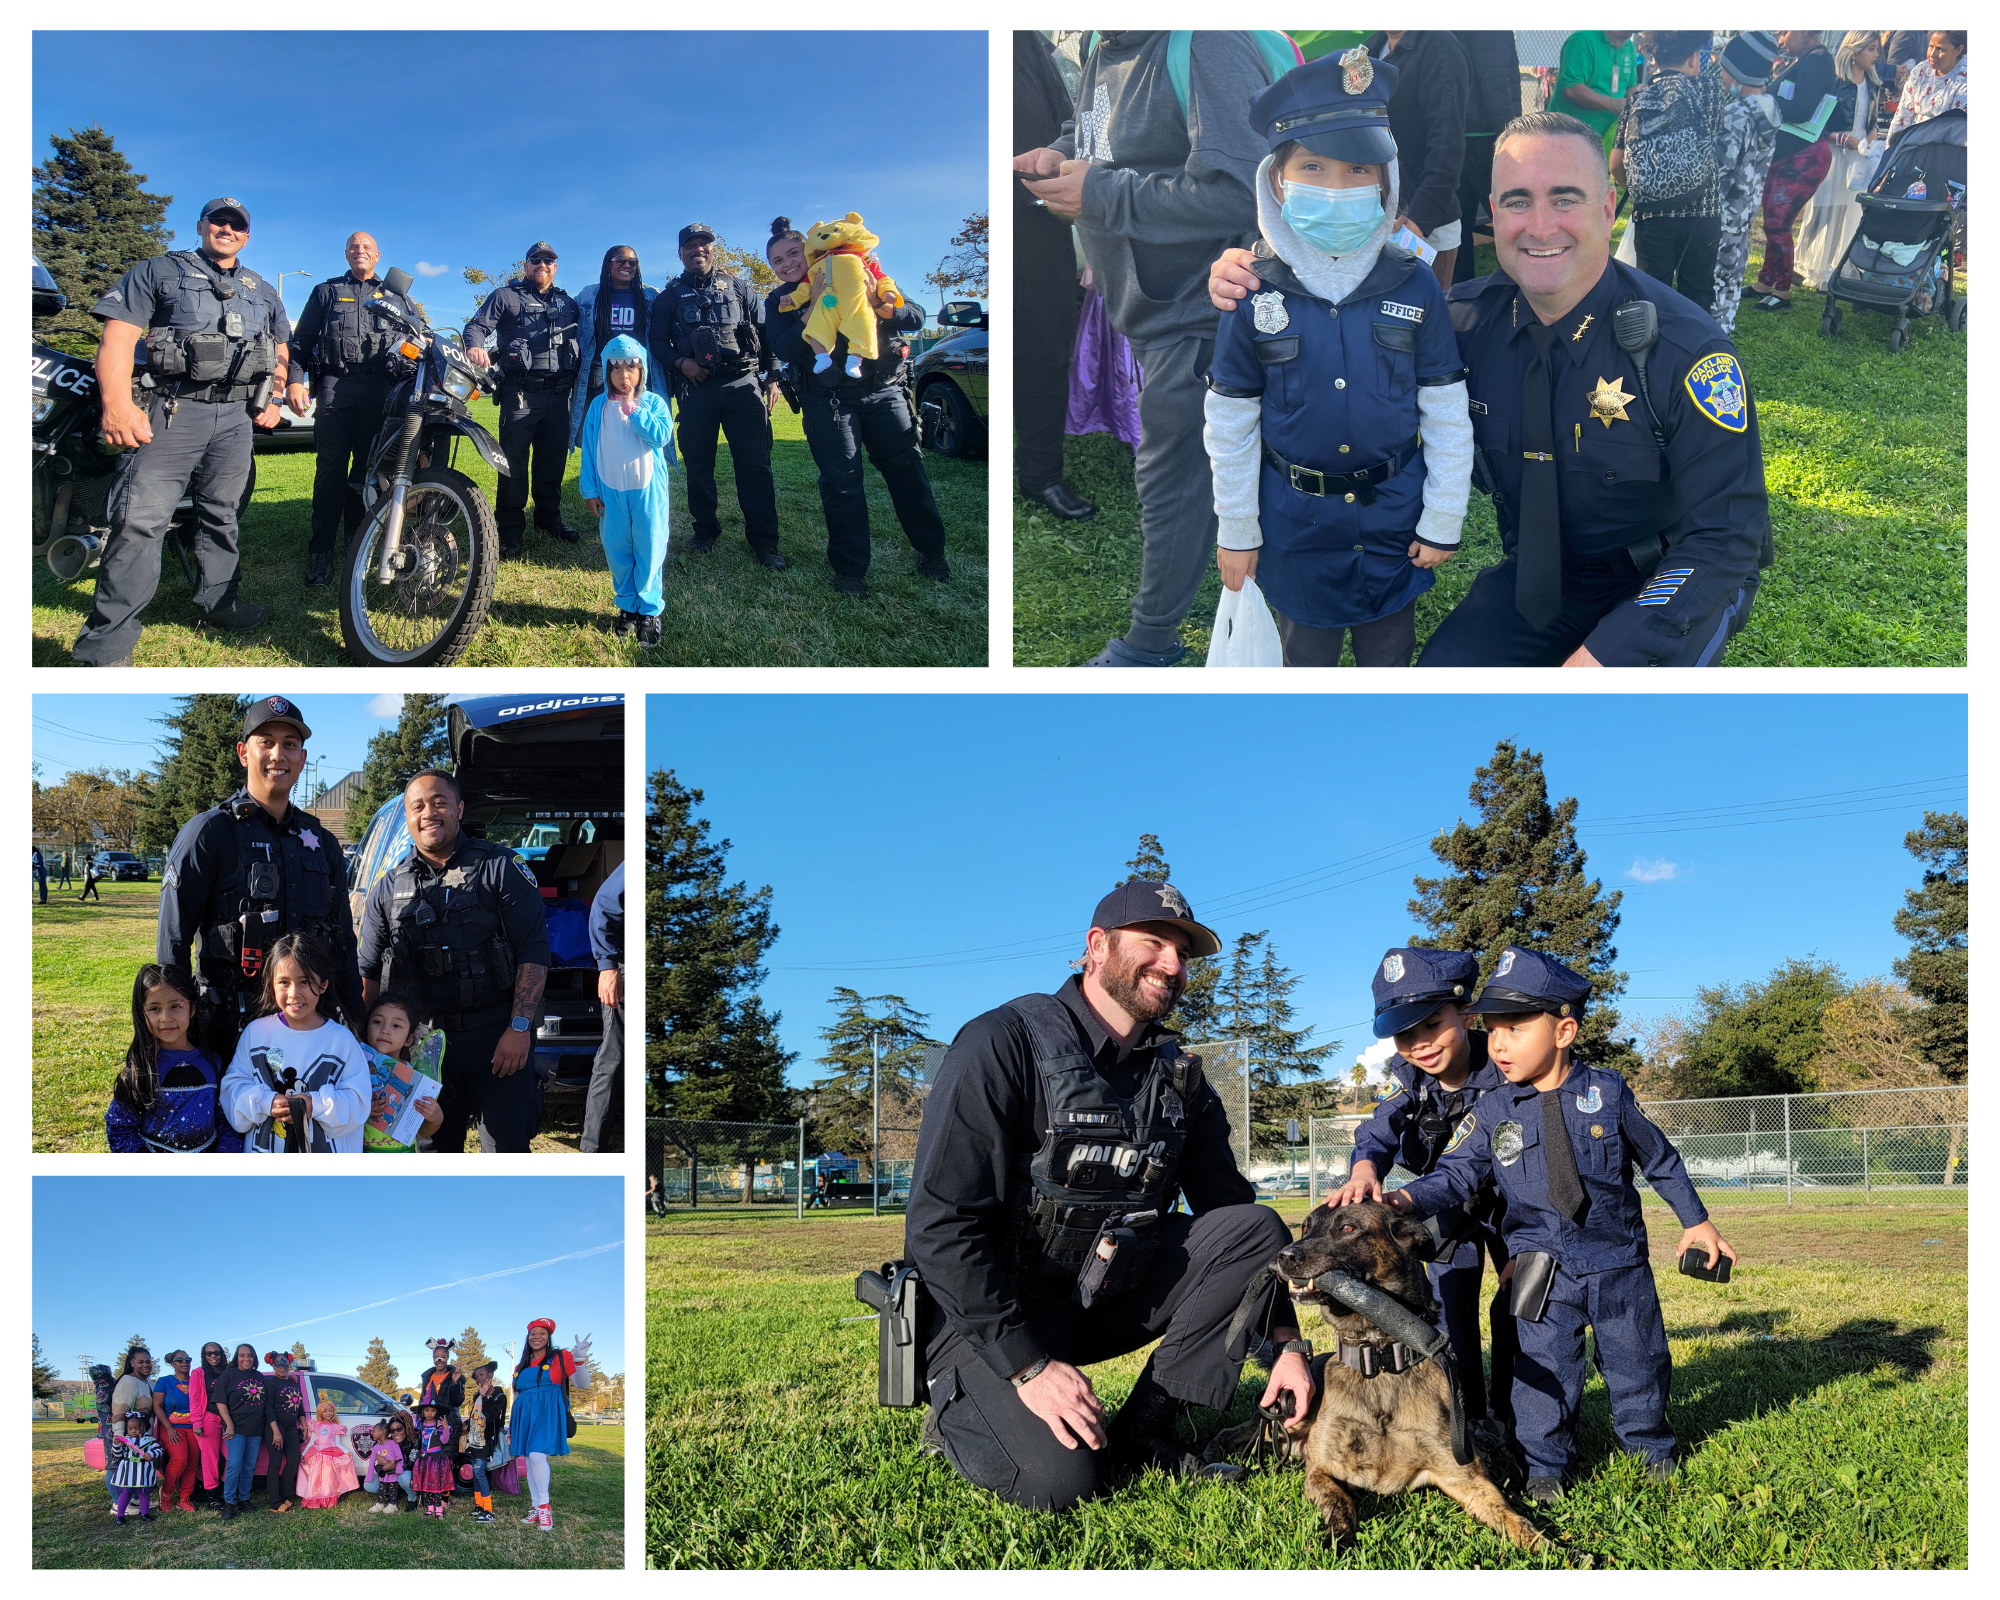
(1715, 385)
(526, 873)
(1463, 1131)
(1395, 1089)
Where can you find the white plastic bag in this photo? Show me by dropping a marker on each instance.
(1628, 247)
(1245, 635)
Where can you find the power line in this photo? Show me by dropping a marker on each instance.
(94, 738)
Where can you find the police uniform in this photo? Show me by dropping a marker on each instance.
(1597, 1239)
(1041, 1129)
(713, 320)
(604, 1102)
(454, 938)
(536, 349)
(1663, 522)
(209, 352)
(236, 880)
(842, 417)
(341, 351)
(1409, 1128)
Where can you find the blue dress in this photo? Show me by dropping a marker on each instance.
(540, 1422)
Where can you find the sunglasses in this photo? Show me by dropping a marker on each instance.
(624, 261)
(541, 261)
(229, 220)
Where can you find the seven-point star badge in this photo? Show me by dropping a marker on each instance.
(308, 838)
(1609, 400)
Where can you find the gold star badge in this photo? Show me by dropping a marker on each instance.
(1609, 400)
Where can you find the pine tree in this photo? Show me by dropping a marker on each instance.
(1935, 919)
(377, 1371)
(136, 1342)
(712, 1050)
(299, 1352)
(1287, 1072)
(200, 768)
(1517, 877)
(44, 1374)
(92, 223)
(1150, 864)
(841, 1101)
(420, 739)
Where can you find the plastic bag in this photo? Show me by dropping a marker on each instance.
(1628, 247)
(1245, 635)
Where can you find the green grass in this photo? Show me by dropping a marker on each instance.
(73, 1526)
(555, 609)
(1820, 1399)
(85, 957)
(1864, 460)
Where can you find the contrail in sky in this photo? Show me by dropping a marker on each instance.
(456, 1283)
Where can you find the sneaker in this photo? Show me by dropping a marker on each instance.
(484, 1516)
(1117, 653)
(546, 1520)
(1543, 1491)
(649, 632)
(239, 616)
(319, 568)
(1772, 302)
(626, 625)
(533, 1519)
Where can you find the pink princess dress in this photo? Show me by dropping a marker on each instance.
(326, 1470)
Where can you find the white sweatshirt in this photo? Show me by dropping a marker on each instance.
(332, 1075)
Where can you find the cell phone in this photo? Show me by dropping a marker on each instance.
(1694, 1263)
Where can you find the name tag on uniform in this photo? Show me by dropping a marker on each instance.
(1476, 405)
(1407, 313)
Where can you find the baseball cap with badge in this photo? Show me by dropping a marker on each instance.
(696, 230)
(274, 708)
(1142, 900)
(1410, 984)
(541, 250)
(1524, 981)
(226, 203)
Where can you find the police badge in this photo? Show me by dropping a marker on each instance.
(1268, 312)
(1506, 965)
(1507, 1143)
(1356, 70)
(1392, 969)
(1589, 1103)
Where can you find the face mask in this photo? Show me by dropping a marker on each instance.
(1337, 221)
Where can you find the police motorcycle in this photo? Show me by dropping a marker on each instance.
(420, 573)
(73, 468)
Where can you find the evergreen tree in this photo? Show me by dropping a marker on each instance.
(299, 1352)
(1150, 864)
(419, 739)
(471, 1352)
(1287, 1072)
(1936, 920)
(1194, 1014)
(44, 1375)
(1516, 876)
(136, 1342)
(200, 768)
(92, 223)
(841, 1102)
(711, 1048)
(377, 1371)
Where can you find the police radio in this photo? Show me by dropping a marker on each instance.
(263, 890)
(1636, 327)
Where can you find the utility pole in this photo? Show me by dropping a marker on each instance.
(301, 273)
(875, 1149)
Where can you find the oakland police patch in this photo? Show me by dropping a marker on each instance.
(1463, 1131)
(1715, 385)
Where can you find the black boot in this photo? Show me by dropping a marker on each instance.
(1142, 1434)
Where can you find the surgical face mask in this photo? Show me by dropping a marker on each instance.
(1337, 221)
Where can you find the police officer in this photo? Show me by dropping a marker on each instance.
(706, 336)
(250, 869)
(1630, 496)
(208, 339)
(536, 330)
(458, 924)
(1559, 1140)
(1439, 1070)
(340, 358)
(1059, 1133)
(843, 416)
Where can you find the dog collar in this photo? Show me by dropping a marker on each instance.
(1371, 1360)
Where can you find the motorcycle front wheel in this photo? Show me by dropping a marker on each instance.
(427, 613)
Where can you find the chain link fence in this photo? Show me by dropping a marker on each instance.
(704, 1164)
(904, 1092)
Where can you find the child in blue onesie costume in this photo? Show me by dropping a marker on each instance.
(628, 433)
(1337, 427)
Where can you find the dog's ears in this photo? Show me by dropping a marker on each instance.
(1418, 1238)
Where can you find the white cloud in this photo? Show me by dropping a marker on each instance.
(426, 270)
(1654, 870)
(386, 706)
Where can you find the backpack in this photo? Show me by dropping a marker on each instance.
(1279, 53)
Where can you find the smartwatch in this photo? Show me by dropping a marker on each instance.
(521, 1024)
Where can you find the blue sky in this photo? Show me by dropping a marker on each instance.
(951, 848)
(76, 731)
(463, 148)
(344, 1252)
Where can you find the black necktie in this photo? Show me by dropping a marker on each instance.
(1538, 540)
(1565, 1187)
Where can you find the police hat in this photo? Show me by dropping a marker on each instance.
(696, 230)
(540, 247)
(226, 203)
(1142, 900)
(1410, 984)
(1525, 981)
(274, 708)
(1336, 106)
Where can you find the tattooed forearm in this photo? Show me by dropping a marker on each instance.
(528, 988)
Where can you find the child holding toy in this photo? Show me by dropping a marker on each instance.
(299, 1081)
(391, 1031)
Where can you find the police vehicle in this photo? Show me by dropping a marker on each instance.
(544, 775)
(950, 384)
(119, 866)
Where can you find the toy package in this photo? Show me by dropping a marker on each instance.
(404, 1083)
(841, 269)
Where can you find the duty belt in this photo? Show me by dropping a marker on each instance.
(1361, 483)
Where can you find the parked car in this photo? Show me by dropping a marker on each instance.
(950, 384)
(120, 866)
(291, 433)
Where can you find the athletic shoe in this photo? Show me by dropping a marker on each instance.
(484, 1516)
(1543, 1491)
(626, 625)
(533, 1519)
(649, 631)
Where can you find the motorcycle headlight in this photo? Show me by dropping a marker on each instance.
(44, 404)
(459, 385)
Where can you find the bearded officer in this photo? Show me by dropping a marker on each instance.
(243, 872)
(1056, 1121)
(458, 924)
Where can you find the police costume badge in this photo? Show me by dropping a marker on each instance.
(1590, 1103)
(1268, 312)
(1392, 969)
(1716, 385)
(1506, 965)
(1507, 1143)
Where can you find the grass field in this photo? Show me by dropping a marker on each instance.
(85, 957)
(73, 1526)
(1864, 459)
(555, 609)
(1820, 1400)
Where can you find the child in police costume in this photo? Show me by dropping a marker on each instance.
(1559, 1141)
(1337, 430)
(1440, 1070)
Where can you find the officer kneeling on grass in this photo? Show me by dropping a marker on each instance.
(1058, 1136)
(1559, 1142)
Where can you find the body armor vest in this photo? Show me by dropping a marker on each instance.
(449, 946)
(718, 307)
(277, 885)
(353, 338)
(539, 342)
(214, 331)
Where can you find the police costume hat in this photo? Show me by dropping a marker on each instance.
(226, 203)
(1336, 106)
(1749, 57)
(696, 230)
(1142, 900)
(274, 708)
(1410, 984)
(1525, 981)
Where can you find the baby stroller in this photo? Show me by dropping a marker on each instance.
(1900, 256)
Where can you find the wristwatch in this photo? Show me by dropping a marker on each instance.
(1303, 1347)
(521, 1024)
(1031, 1373)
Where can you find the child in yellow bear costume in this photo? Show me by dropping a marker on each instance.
(841, 269)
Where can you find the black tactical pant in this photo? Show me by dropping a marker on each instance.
(837, 431)
(507, 1111)
(1046, 297)
(207, 447)
(735, 410)
(534, 437)
(604, 1104)
(342, 439)
(1185, 1302)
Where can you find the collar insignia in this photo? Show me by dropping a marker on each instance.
(1588, 319)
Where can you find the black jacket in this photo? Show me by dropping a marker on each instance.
(1427, 116)
(1493, 95)
(785, 337)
